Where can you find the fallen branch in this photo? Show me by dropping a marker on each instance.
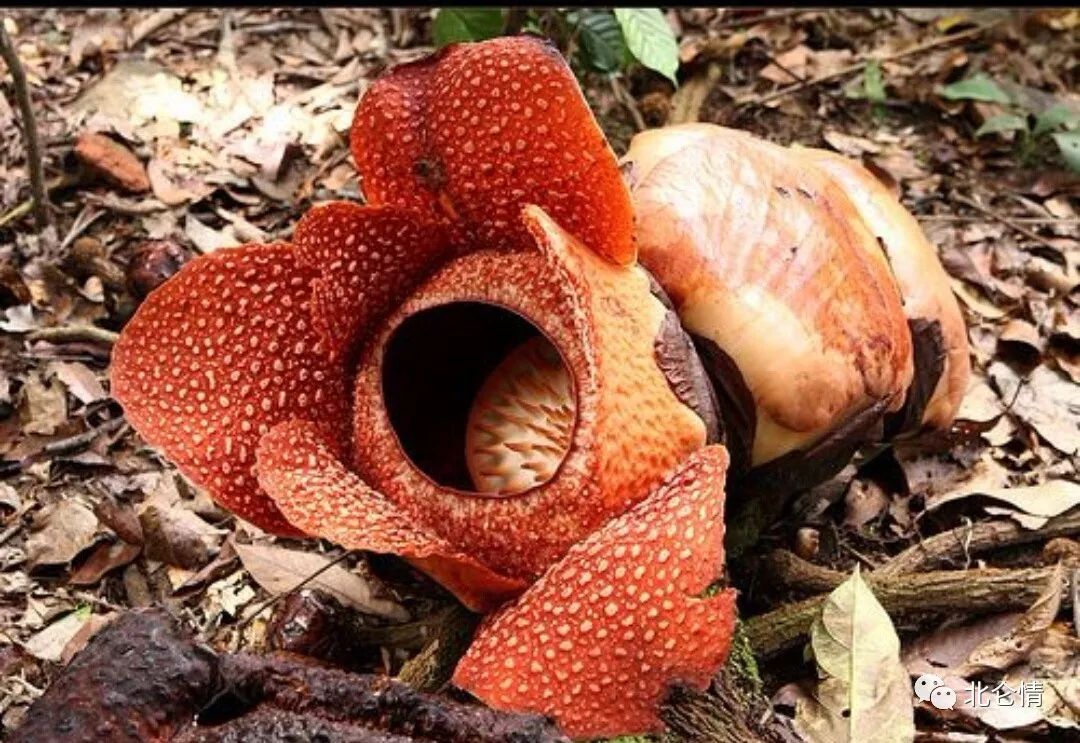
(42, 208)
(972, 539)
(858, 66)
(952, 591)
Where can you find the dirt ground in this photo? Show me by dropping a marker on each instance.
(237, 122)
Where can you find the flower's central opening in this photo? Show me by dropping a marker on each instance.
(480, 399)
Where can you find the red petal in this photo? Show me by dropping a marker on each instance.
(477, 131)
(369, 259)
(300, 468)
(597, 641)
(215, 357)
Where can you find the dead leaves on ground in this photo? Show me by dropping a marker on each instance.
(863, 693)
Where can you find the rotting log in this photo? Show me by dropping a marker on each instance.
(142, 678)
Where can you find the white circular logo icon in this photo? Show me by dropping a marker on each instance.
(925, 684)
(943, 697)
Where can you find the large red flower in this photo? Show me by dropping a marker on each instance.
(470, 372)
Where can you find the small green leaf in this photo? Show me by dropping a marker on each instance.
(1055, 116)
(1069, 144)
(601, 40)
(466, 24)
(650, 39)
(874, 82)
(979, 87)
(1002, 123)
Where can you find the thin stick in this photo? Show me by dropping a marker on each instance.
(78, 441)
(273, 600)
(74, 334)
(158, 20)
(738, 22)
(1017, 220)
(1005, 221)
(624, 97)
(17, 213)
(42, 208)
(975, 539)
(858, 66)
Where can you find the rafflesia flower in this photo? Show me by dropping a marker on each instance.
(470, 372)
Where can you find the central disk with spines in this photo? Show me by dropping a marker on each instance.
(521, 421)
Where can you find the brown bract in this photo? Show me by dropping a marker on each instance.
(326, 387)
(767, 258)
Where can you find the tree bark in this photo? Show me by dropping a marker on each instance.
(951, 592)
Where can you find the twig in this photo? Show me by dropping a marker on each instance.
(74, 334)
(624, 97)
(1017, 220)
(17, 213)
(515, 20)
(976, 538)
(80, 440)
(154, 23)
(948, 591)
(42, 208)
(82, 222)
(737, 22)
(275, 599)
(16, 521)
(1008, 222)
(124, 206)
(858, 66)
(65, 180)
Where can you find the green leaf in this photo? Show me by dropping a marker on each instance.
(1055, 116)
(650, 39)
(601, 40)
(1069, 144)
(466, 24)
(979, 87)
(874, 82)
(864, 694)
(1002, 123)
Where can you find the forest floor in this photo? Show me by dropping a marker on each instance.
(238, 120)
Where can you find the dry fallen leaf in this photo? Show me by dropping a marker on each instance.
(207, 239)
(60, 534)
(279, 570)
(1026, 645)
(176, 536)
(104, 558)
(49, 643)
(865, 694)
(164, 189)
(80, 380)
(44, 406)
(1045, 400)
